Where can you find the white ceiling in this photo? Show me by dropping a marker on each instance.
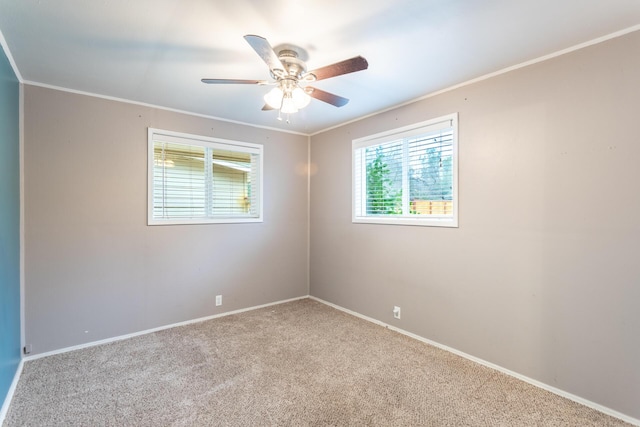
(156, 51)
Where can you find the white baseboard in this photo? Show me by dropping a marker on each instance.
(148, 331)
(12, 389)
(521, 377)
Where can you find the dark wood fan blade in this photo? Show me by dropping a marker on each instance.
(327, 97)
(234, 81)
(344, 67)
(267, 107)
(266, 52)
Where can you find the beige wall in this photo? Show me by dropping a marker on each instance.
(542, 276)
(95, 270)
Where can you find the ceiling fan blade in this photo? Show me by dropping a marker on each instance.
(267, 107)
(327, 97)
(266, 52)
(344, 67)
(235, 81)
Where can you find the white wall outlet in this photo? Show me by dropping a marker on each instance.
(218, 300)
(27, 349)
(396, 312)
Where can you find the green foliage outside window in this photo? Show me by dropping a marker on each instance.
(382, 199)
(433, 180)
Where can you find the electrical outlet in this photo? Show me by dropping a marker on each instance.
(27, 349)
(218, 300)
(396, 312)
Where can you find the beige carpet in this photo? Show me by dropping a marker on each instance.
(295, 364)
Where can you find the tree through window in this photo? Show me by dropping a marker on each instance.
(407, 176)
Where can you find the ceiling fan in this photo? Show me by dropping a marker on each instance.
(290, 75)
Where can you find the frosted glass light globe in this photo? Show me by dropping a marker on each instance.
(274, 98)
(300, 98)
(288, 105)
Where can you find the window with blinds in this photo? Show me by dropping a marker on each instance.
(408, 176)
(195, 179)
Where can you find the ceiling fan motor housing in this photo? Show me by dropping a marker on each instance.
(294, 67)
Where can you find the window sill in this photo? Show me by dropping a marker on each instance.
(422, 222)
(194, 221)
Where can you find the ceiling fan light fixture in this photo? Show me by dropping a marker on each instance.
(274, 98)
(300, 98)
(286, 99)
(288, 104)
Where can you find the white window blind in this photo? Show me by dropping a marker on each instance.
(195, 179)
(408, 175)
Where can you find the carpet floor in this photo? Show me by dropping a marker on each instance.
(295, 364)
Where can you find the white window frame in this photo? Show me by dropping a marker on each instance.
(206, 142)
(359, 200)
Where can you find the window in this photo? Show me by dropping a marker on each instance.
(408, 176)
(196, 179)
